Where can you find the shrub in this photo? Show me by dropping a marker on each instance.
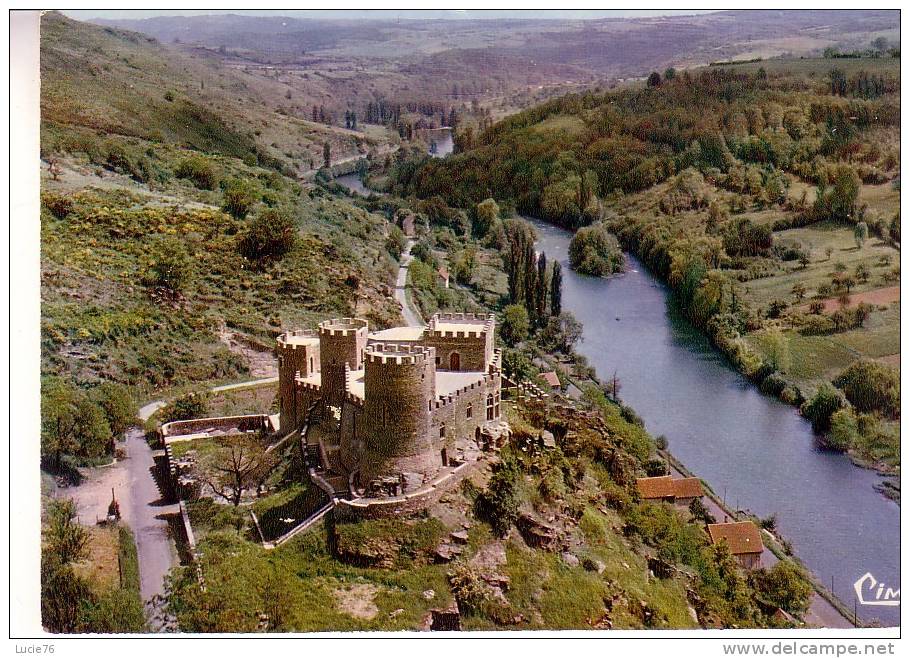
(871, 386)
(783, 586)
(843, 433)
(269, 237)
(186, 407)
(170, 266)
(822, 406)
(395, 242)
(118, 406)
(199, 170)
(239, 197)
(60, 206)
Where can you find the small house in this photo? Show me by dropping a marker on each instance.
(743, 539)
(552, 380)
(681, 491)
(443, 275)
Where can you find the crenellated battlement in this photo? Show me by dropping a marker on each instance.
(461, 325)
(399, 354)
(343, 327)
(297, 338)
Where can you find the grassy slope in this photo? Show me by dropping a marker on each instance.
(102, 95)
(115, 81)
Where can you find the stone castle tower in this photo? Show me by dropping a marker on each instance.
(399, 390)
(341, 343)
(298, 356)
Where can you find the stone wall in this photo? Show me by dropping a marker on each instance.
(341, 342)
(296, 355)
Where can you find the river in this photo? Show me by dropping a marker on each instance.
(753, 450)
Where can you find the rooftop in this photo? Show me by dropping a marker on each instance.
(665, 486)
(742, 537)
(290, 339)
(397, 333)
(447, 382)
(551, 378)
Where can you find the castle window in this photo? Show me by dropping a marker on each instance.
(281, 362)
(490, 407)
(469, 413)
(312, 369)
(442, 431)
(454, 361)
(438, 360)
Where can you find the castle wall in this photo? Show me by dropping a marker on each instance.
(452, 413)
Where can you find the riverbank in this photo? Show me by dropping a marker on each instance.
(759, 450)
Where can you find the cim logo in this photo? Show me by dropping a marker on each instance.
(871, 592)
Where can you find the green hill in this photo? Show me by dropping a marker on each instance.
(765, 193)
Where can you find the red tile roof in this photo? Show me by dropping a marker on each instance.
(551, 378)
(656, 487)
(688, 488)
(665, 486)
(742, 537)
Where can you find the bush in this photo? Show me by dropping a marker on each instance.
(843, 433)
(783, 586)
(171, 266)
(239, 197)
(186, 407)
(60, 206)
(871, 387)
(118, 406)
(822, 406)
(595, 251)
(269, 237)
(199, 170)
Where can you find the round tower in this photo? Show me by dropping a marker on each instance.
(341, 341)
(298, 353)
(399, 388)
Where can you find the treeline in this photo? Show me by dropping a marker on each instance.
(716, 121)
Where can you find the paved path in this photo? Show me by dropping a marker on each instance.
(820, 613)
(411, 316)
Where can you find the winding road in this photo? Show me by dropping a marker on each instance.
(410, 315)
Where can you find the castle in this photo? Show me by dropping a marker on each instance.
(395, 415)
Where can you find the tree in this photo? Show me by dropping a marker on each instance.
(654, 79)
(871, 386)
(784, 586)
(239, 197)
(498, 503)
(595, 251)
(326, 155)
(670, 73)
(700, 512)
(542, 288)
(486, 215)
(561, 333)
(71, 423)
(776, 347)
(65, 538)
(556, 290)
(241, 464)
(118, 406)
(464, 265)
(396, 242)
(170, 266)
(515, 324)
(822, 406)
(862, 272)
(843, 433)
(270, 236)
(798, 291)
(860, 233)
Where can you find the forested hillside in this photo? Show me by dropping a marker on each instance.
(766, 194)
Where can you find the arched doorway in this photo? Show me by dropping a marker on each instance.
(454, 361)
